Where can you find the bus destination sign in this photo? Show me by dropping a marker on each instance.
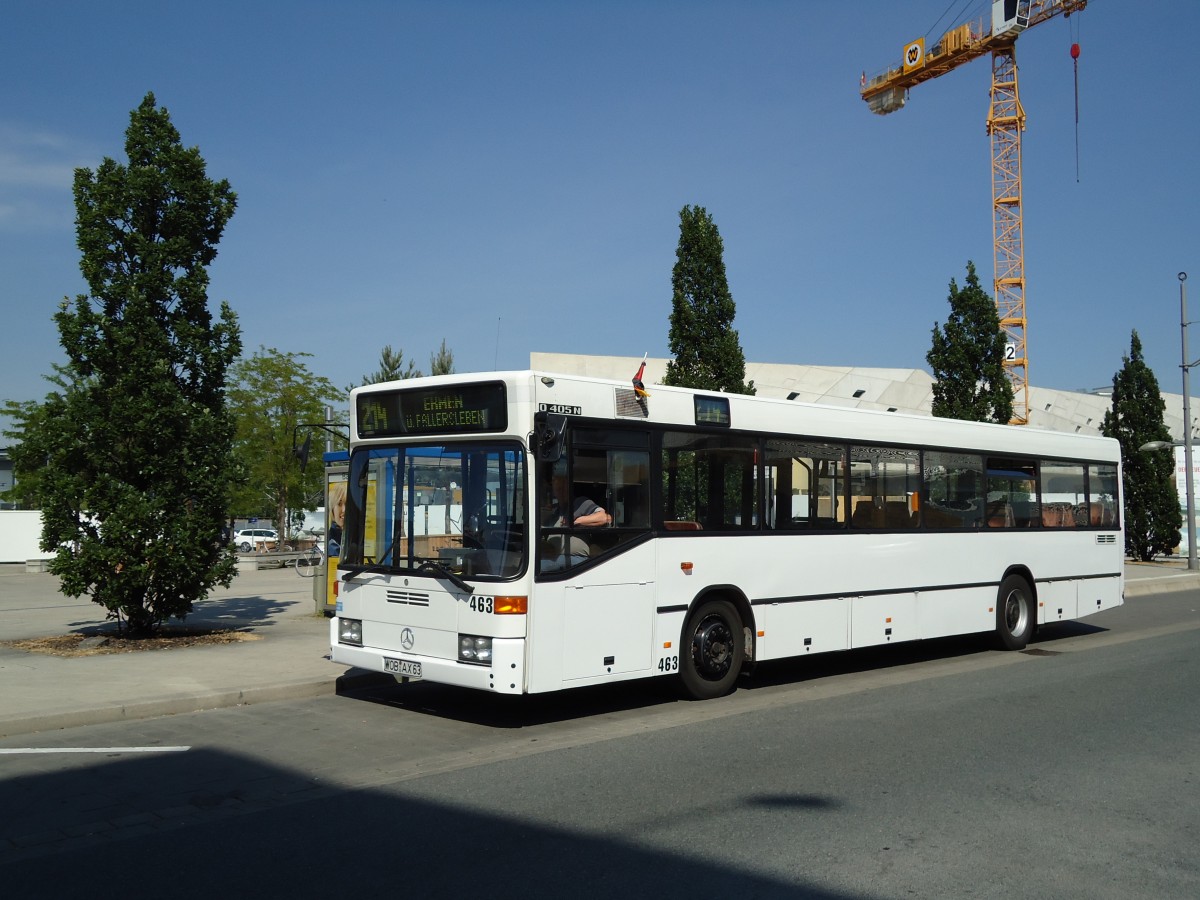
(457, 409)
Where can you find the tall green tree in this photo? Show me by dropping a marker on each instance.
(1136, 417)
(442, 362)
(132, 458)
(29, 421)
(392, 367)
(271, 394)
(26, 421)
(967, 358)
(704, 344)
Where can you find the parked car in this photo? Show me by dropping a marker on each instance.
(256, 539)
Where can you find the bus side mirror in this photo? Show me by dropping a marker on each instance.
(550, 435)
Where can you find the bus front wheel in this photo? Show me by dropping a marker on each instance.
(1014, 613)
(711, 650)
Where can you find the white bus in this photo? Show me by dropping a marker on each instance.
(721, 530)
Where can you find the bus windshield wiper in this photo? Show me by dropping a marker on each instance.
(434, 566)
(353, 569)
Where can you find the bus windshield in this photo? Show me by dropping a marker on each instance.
(458, 508)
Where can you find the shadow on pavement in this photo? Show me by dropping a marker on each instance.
(256, 612)
(512, 712)
(225, 613)
(522, 711)
(202, 824)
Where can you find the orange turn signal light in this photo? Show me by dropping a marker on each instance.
(511, 606)
(685, 566)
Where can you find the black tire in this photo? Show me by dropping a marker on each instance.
(1016, 616)
(711, 650)
(245, 547)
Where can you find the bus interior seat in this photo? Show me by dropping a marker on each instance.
(1100, 514)
(898, 514)
(864, 514)
(1058, 515)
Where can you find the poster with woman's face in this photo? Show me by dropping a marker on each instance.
(335, 510)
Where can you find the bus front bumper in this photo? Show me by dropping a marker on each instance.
(506, 674)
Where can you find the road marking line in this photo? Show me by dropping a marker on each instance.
(95, 750)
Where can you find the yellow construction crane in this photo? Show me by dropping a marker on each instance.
(887, 92)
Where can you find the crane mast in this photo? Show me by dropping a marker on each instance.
(887, 91)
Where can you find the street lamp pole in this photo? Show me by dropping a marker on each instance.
(1187, 423)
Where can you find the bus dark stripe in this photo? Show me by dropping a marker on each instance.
(921, 589)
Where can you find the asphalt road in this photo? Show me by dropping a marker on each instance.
(940, 769)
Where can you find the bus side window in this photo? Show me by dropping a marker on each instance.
(628, 496)
(605, 469)
(1012, 493)
(1064, 488)
(953, 486)
(805, 481)
(1103, 510)
(711, 479)
(883, 481)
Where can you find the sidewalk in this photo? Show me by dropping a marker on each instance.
(287, 661)
(1159, 576)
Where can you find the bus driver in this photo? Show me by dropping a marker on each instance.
(584, 514)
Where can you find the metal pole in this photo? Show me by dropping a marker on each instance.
(1190, 502)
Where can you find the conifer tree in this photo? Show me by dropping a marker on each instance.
(442, 362)
(703, 342)
(392, 367)
(136, 465)
(1136, 417)
(967, 358)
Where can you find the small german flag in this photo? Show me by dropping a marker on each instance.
(638, 387)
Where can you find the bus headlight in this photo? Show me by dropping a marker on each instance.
(350, 631)
(475, 649)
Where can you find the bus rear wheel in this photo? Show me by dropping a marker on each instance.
(711, 650)
(1014, 613)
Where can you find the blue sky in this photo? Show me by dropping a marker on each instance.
(507, 176)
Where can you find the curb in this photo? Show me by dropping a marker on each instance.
(1162, 584)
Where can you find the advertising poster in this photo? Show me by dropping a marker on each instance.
(1181, 488)
(335, 512)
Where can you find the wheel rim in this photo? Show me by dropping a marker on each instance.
(1016, 613)
(712, 648)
